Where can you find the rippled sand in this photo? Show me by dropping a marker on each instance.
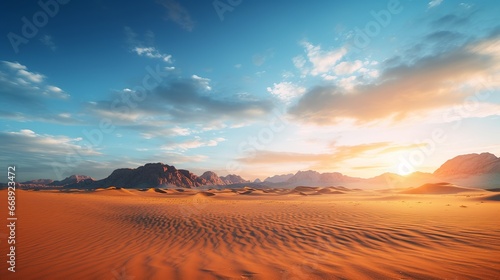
(169, 234)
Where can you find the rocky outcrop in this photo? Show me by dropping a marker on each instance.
(73, 179)
(471, 164)
(233, 179)
(305, 178)
(314, 178)
(151, 175)
(38, 182)
(278, 178)
(212, 179)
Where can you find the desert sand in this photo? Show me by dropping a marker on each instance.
(306, 233)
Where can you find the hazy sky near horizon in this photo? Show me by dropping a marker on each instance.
(255, 88)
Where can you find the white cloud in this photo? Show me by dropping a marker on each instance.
(65, 115)
(328, 77)
(25, 132)
(33, 77)
(434, 3)
(347, 67)
(28, 141)
(203, 82)
(152, 52)
(19, 81)
(54, 89)
(286, 90)
(193, 144)
(347, 83)
(55, 92)
(322, 61)
(14, 65)
(158, 130)
(181, 131)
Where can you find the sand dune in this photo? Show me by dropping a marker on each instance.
(494, 197)
(439, 188)
(220, 234)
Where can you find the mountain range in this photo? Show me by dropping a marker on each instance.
(471, 170)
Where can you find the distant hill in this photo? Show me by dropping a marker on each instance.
(471, 164)
(233, 179)
(38, 182)
(278, 178)
(438, 188)
(73, 179)
(152, 175)
(212, 179)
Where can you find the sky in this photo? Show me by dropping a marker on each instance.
(255, 88)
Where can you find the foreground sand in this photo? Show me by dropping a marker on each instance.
(131, 234)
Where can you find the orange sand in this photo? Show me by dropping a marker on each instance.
(168, 234)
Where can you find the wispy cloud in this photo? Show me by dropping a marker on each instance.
(145, 48)
(28, 141)
(434, 3)
(16, 81)
(178, 14)
(335, 158)
(152, 52)
(260, 58)
(453, 20)
(197, 142)
(48, 42)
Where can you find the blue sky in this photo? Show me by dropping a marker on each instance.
(255, 88)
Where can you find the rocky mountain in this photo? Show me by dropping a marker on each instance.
(73, 179)
(38, 182)
(305, 178)
(314, 178)
(151, 175)
(278, 178)
(154, 175)
(212, 179)
(233, 179)
(471, 164)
